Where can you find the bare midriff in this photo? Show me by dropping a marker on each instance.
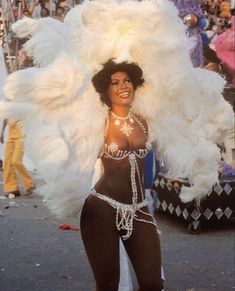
(115, 181)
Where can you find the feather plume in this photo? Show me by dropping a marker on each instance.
(183, 106)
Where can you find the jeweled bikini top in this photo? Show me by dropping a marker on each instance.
(127, 213)
(112, 150)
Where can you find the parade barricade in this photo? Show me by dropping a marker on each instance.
(219, 202)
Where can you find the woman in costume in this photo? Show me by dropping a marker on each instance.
(64, 120)
(117, 205)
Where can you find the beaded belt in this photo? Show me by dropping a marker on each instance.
(125, 213)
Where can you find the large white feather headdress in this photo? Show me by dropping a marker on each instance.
(63, 118)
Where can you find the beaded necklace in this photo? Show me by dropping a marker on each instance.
(126, 127)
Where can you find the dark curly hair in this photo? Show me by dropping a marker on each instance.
(102, 79)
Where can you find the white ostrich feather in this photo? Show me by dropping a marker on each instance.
(58, 84)
(24, 27)
(49, 37)
(64, 119)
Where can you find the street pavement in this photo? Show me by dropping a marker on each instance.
(35, 255)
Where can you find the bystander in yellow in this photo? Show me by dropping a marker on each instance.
(13, 166)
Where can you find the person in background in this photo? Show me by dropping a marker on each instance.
(225, 47)
(224, 9)
(26, 13)
(44, 12)
(13, 162)
(37, 5)
(59, 14)
(66, 9)
(68, 3)
(35, 8)
(191, 14)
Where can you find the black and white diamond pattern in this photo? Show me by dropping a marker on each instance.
(178, 211)
(208, 213)
(196, 214)
(228, 189)
(219, 212)
(228, 212)
(170, 184)
(211, 207)
(218, 189)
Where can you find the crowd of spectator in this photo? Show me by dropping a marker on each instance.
(220, 18)
(216, 11)
(43, 8)
(217, 14)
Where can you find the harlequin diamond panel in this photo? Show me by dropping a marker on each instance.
(185, 213)
(178, 211)
(164, 205)
(218, 189)
(219, 212)
(207, 213)
(228, 212)
(162, 183)
(227, 188)
(176, 187)
(156, 182)
(169, 185)
(195, 214)
(171, 208)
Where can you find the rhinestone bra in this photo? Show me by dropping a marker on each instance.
(112, 150)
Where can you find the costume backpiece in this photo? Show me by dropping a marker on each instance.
(64, 120)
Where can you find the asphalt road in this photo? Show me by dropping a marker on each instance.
(35, 255)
